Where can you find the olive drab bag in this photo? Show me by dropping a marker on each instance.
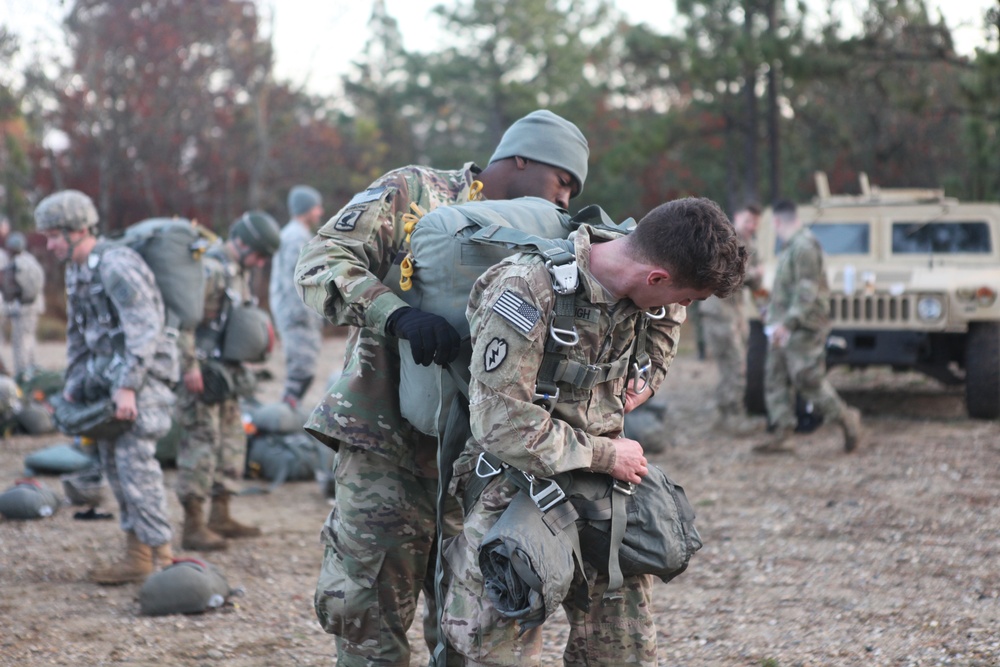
(172, 248)
(445, 265)
(188, 586)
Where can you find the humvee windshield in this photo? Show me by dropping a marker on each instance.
(941, 237)
(843, 238)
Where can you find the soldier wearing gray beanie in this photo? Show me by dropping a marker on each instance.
(545, 137)
(302, 199)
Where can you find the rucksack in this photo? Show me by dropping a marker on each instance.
(285, 457)
(172, 248)
(445, 266)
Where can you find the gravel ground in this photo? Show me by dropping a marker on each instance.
(884, 557)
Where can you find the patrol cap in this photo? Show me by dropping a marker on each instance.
(302, 199)
(67, 209)
(258, 230)
(545, 137)
(16, 242)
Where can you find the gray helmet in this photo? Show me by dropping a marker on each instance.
(16, 242)
(68, 209)
(258, 230)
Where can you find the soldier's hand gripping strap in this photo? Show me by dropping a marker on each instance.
(95, 420)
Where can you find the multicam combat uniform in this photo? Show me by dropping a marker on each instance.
(508, 351)
(20, 313)
(211, 457)
(116, 322)
(726, 330)
(299, 327)
(799, 300)
(380, 534)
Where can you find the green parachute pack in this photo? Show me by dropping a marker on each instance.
(188, 586)
(28, 499)
(172, 248)
(437, 276)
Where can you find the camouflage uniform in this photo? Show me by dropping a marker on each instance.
(726, 331)
(375, 562)
(799, 300)
(115, 311)
(300, 328)
(211, 457)
(578, 435)
(23, 317)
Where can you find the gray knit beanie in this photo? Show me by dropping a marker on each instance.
(302, 198)
(545, 137)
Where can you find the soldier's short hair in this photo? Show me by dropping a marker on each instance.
(785, 209)
(694, 240)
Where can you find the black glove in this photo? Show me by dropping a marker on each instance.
(431, 337)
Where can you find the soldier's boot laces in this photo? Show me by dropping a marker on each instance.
(197, 536)
(780, 442)
(850, 421)
(135, 566)
(220, 521)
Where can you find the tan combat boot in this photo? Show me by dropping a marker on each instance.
(222, 523)
(197, 536)
(850, 421)
(136, 565)
(780, 442)
(163, 556)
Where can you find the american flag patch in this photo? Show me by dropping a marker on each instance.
(517, 311)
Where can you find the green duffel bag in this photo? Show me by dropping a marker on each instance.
(94, 420)
(28, 499)
(189, 586)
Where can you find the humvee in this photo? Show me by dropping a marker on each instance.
(914, 277)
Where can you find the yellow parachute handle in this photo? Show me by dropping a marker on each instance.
(475, 190)
(409, 223)
(406, 273)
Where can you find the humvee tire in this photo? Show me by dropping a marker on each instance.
(982, 370)
(753, 397)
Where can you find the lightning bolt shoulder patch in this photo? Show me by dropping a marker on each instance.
(495, 354)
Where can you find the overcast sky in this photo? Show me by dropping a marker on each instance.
(316, 40)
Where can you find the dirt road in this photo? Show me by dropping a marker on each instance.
(885, 557)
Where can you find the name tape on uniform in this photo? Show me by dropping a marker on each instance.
(517, 311)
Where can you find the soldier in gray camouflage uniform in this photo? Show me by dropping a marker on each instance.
(797, 326)
(680, 252)
(211, 456)
(23, 281)
(298, 326)
(726, 331)
(380, 535)
(116, 319)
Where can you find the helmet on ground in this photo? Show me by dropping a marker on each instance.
(258, 230)
(68, 209)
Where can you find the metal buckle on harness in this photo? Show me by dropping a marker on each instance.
(546, 497)
(565, 277)
(490, 469)
(624, 488)
(547, 401)
(657, 315)
(572, 336)
(640, 374)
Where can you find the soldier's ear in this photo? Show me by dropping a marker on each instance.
(659, 277)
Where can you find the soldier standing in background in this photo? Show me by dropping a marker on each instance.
(299, 327)
(726, 331)
(680, 252)
(797, 326)
(116, 322)
(211, 457)
(22, 284)
(383, 525)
